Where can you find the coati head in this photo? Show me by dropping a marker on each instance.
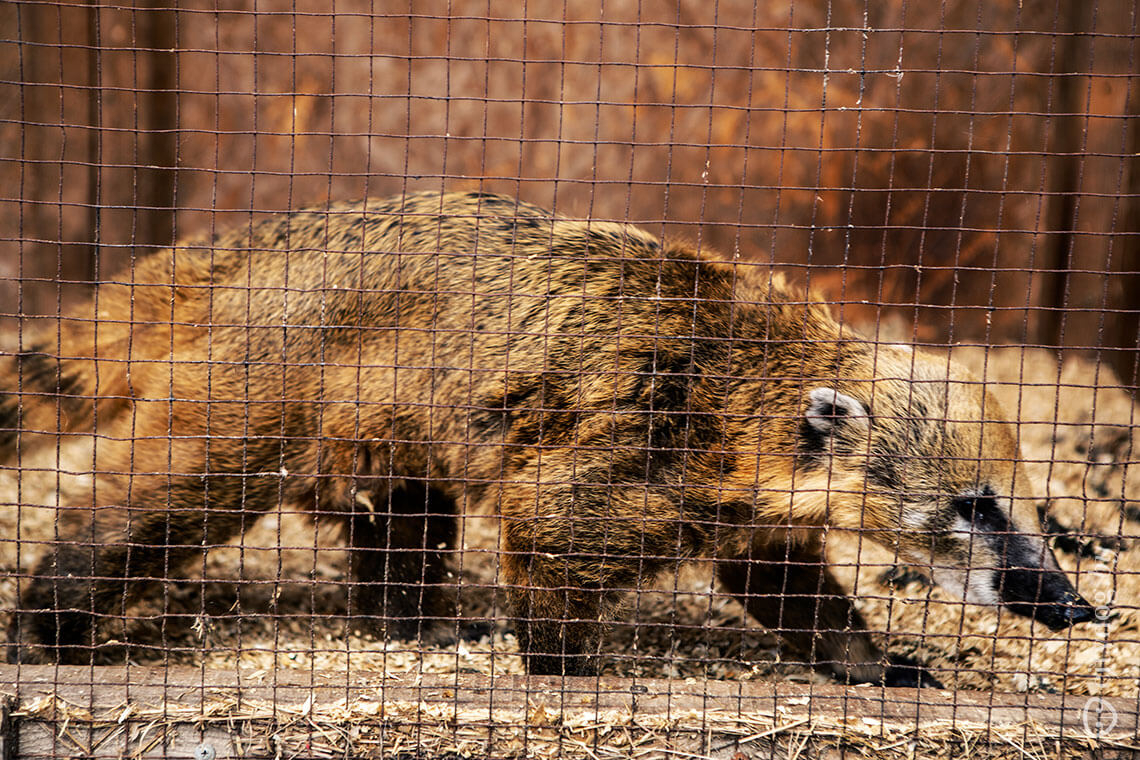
(925, 461)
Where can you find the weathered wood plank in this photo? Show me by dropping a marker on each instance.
(155, 712)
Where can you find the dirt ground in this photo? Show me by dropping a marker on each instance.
(1077, 432)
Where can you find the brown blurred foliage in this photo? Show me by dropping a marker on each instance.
(962, 171)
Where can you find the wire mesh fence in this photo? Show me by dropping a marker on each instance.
(693, 379)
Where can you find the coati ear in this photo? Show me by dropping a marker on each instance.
(828, 409)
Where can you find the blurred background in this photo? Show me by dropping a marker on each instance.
(954, 172)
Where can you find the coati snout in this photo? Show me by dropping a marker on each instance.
(621, 404)
(1026, 578)
(944, 464)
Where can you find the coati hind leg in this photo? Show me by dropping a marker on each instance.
(785, 584)
(140, 526)
(399, 540)
(95, 571)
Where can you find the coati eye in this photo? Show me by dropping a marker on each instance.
(983, 512)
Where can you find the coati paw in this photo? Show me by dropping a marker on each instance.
(905, 672)
(48, 636)
(438, 633)
(434, 633)
(555, 648)
(26, 654)
(475, 630)
(559, 665)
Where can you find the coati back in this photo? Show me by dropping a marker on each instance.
(621, 404)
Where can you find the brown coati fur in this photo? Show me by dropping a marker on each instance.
(622, 404)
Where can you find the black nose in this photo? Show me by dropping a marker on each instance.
(1060, 616)
(1044, 595)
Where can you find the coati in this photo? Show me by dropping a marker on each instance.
(621, 403)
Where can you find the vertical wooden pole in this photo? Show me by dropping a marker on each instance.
(160, 113)
(9, 730)
(1122, 325)
(1064, 173)
(94, 139)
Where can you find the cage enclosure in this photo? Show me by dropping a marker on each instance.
(570, 380)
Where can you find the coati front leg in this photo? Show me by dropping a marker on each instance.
(400, 539)
(785, 584)
(558, 616)
(570, 552)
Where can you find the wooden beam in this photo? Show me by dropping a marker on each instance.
(186, 712)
